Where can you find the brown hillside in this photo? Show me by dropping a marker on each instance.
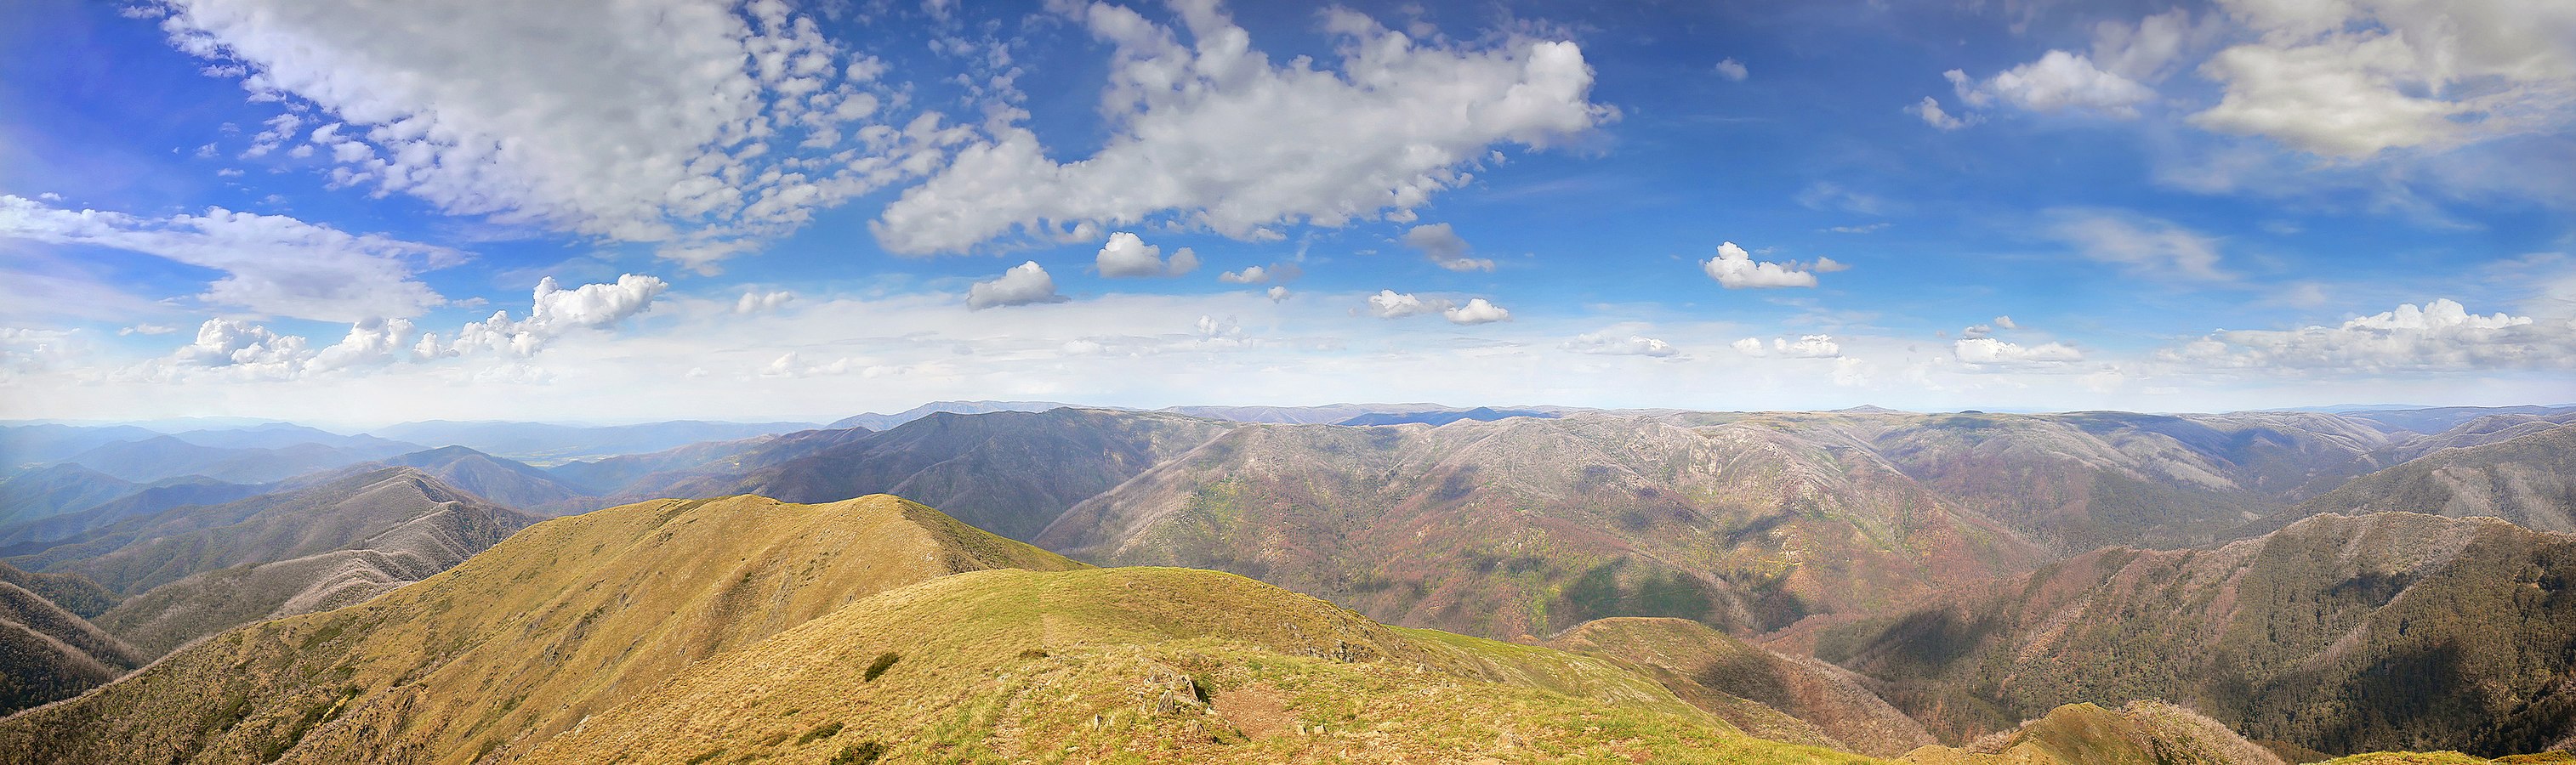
(1523, 527)
(2390, 631)
(1768, 694)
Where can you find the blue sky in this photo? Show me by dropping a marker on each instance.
(313, 211)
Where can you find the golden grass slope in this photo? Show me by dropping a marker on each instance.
(1146, 665)
(566, 619)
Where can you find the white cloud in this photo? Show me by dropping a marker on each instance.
(2139, 244)
(1611, 344)
(1444, 247)
(2006, 322)
(1854, 373)
(251, 349)
(2147, 50)
(1400, 120)
(1277, 293)
(1990, 351)
(554, 311)
(1024, 284)
(1733, 70)
(1127, 255)
(30, 352)
(1734, 268)
(2351, 79)
(370, 342)
(1476, 311)
(1807, 347)
(1389, 304)
(2441, 335)
(756, 301)
(2058, 81)
(1932, 113)
(146, 329)
(272, 264)
(237, 349)
(693, 123)
(1249, 275)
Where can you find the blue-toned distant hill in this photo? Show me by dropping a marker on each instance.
(26, 446)
(1438, 418)
(874, 421)
(164, 457)
(503, 481)
(1296, 415)
(2438, 418)
(547, 443)
(146, 499)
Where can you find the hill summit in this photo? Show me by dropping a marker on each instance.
(565, 619)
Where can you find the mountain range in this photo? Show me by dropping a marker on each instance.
(2253, 587)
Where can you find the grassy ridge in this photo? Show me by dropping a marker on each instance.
(564, 619)
(1148, 665)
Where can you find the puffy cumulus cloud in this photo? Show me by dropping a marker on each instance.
(273, 265)
(1476, 311)
(1249, 275)
(756, 301)
(2352, 79)
(1277, 293)
(243, 350)
(1389, 304)
(1734, 268)
(246, 350)
(553, 312)
(1444, 247)
(693, 123)
(372, 342)
(2114, 80)
(2442, 335)
(1613, 344)
(2059, 81)
(1399, 121)
(1733, 70)
(2007, 322)
(2138, 244)
(1127, 255)
(1806, 347)
(1932, 114)
(1024, 284)
(1993, 352)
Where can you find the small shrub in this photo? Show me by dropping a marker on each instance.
(819, 733)
(862, 753)
(879, 666)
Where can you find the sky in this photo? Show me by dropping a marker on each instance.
(372, 212)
